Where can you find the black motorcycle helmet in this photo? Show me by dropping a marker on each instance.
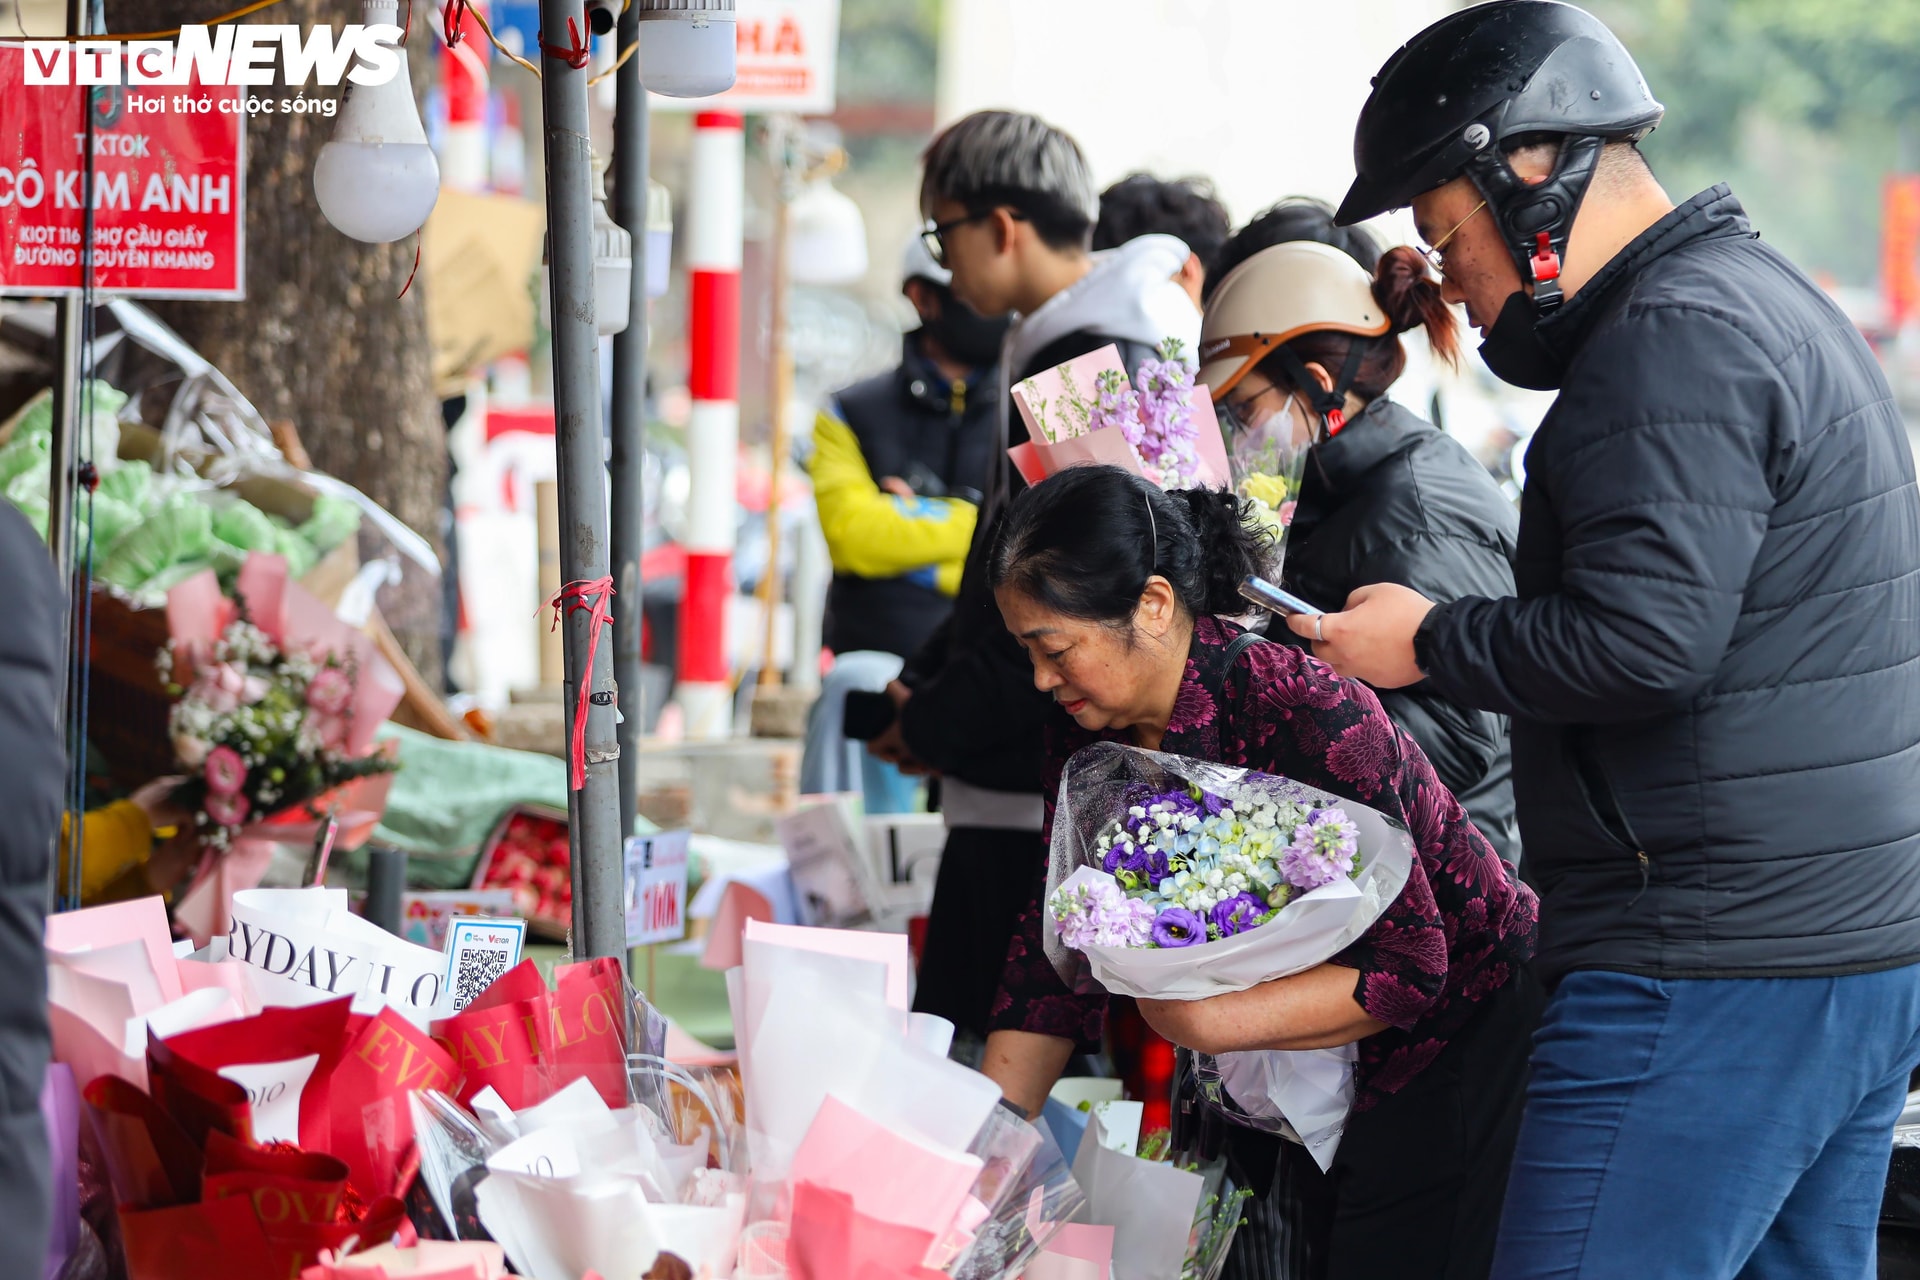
(1459, 95)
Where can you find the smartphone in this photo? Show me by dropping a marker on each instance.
(1268, 596)
(867, 715)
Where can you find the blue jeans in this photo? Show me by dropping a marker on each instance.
(1709, 1129)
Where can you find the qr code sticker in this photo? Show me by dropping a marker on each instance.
(478, 969)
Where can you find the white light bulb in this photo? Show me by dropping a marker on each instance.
(687, 47)
(377, 180)
(827, 242)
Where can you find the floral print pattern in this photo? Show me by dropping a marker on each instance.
(1458, 932)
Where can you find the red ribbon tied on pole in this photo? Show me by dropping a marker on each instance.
(595, 598)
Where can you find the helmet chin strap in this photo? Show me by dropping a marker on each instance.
(1536, 218)
(1331, 405)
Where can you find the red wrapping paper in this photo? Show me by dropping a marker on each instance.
(150, 1161)
(367, 1121)
(528, 1043)
(184, 1070)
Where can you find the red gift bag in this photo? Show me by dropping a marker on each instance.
(368, 1121)
(184, 1070)
(528, 1043)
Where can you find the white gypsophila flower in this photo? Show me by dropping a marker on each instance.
(1137, 812)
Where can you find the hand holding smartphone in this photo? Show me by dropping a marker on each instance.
(1272, 598)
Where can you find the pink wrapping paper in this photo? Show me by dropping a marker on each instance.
(831, 1240)
(890, 1178)
(1043, 398)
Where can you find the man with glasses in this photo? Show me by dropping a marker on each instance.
(1010, 205)
(1711, 666)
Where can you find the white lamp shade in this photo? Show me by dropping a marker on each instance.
(686, 54)
(377, 180)
(827, 242)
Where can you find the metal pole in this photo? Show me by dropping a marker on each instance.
(630, 163)
(594, 811)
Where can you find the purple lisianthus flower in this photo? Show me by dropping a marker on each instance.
(1180, 804)
(1178, 927)
(1238, 914)
(1149, 862)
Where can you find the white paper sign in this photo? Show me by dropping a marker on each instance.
(310, 938)
(273, 1095)
(656, 888)
(785, 57)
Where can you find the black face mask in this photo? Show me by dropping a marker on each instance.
(1514, 351)
(966, 335)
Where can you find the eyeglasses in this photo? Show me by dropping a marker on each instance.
(1436, 254)
(1236, 415)
(934, 237)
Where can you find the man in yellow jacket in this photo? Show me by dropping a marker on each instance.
(899, 464)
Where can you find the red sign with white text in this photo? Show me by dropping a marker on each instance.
(168, 187)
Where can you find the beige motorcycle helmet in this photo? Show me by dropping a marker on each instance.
(1276, 296)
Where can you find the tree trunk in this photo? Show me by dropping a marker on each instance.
(324, 337)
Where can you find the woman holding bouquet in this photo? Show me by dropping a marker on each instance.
(1119, 593)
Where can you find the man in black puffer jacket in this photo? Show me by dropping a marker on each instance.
(1712, 668)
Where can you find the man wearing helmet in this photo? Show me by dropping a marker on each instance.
(1711, 670)
(899, 466)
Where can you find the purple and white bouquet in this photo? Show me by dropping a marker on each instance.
(1177, 879)
(1088, 411)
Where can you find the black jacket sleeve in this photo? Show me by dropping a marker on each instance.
(1460, 741)
(32, 774)
(1659, 482)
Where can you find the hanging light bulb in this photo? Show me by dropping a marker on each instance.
(828, 244)
(687, 47)
(377, 180)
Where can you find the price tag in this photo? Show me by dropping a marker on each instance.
(656, 888)
(273, 1094)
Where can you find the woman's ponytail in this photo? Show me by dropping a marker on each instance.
(1231, 546)
(1404, 286)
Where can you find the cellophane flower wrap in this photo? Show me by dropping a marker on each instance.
(1178, 879)
(1267, 466)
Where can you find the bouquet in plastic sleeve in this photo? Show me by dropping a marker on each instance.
(873, 1154)
(1268, 464)
(1168, 1219)
(1175, 879)
(1088, 411)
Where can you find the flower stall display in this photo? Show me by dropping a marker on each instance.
(1088, 411)
(1175, 879)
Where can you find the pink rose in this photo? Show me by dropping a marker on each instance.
(224, 689)
(1286, 514)
(191, 751)
(331, 692)
(330, 730)
(226, 772)
(228, 811)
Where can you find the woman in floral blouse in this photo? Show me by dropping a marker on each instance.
(1116, 590)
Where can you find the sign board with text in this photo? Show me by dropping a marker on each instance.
(786, 52)
(168, 187)
(656, 888)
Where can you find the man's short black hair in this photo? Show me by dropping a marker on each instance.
(1141, 204)
(1007, 158)
(1295, 218)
